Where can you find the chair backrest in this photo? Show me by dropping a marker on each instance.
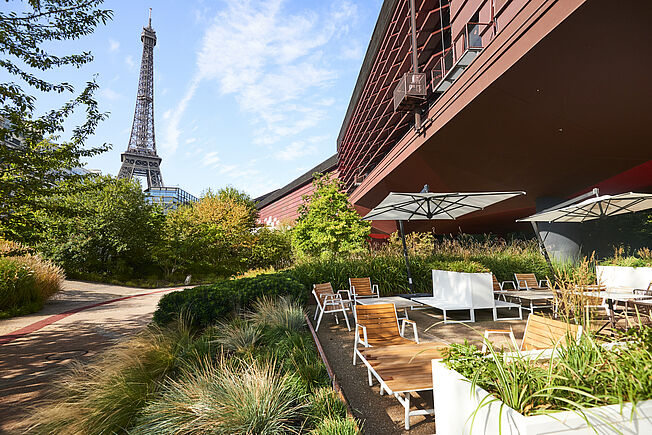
(362, 286)
(321, 291)
(529, 278)
(496, 284)
(545, 333)
(380, 320)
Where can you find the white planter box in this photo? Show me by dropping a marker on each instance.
(629, 277)
(455, 403)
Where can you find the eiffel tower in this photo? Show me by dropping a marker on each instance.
(140, 159)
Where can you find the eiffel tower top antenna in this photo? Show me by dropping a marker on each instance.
(141, 159)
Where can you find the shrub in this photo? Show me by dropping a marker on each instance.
(225, 399)
(18, 293)
(271, 249)
(205, 305)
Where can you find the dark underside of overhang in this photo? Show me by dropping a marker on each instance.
(574, 111)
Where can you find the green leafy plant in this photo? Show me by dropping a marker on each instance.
(583, 374)
(327, 224)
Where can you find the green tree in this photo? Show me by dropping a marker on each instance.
(30, 163)
(212, 236)
(107, 226)
(327, 222)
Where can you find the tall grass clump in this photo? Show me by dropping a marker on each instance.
(26, 280)
(255, 372)
(386, 265)
(222, 399)
(107, 396)
(337, 426)
(279, 312)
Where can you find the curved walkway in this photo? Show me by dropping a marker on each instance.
(80, 322)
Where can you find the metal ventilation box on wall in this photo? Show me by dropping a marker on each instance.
(410, 92)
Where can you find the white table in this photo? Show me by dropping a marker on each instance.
(399, 302)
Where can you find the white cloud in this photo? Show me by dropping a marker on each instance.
(191, 140)
(172, 131)
(114, 46)
(272, 62)
(295, 150)
(130, 62)
(110, 94)
(211, 159)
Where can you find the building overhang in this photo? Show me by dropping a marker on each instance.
(556, 103)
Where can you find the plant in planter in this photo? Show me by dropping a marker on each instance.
(587, 387)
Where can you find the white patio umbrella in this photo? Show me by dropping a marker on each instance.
(429, 206)
(595, 208)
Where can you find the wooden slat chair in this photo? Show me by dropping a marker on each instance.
(542, 335)
(528, 281)
(330, 302)
(362, 288)
(377, 325)
(501, 286)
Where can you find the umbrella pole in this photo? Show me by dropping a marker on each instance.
(405, 254)
(542, 246)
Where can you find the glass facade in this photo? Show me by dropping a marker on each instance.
(169, 197)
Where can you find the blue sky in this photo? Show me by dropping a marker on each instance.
(247, 93)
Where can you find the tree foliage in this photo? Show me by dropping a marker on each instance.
(327, 222)
(215, 234)
(107, 226)
(31, 164)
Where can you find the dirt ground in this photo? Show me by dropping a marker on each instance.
(384, 414)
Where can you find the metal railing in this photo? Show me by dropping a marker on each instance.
(474, 36)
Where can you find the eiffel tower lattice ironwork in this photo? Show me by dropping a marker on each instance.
(140, 159)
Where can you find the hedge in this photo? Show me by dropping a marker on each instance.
(205, 305)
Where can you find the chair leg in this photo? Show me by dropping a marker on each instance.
(371, 380)
(355, 345)
(346, 319)
(337, 320)
(316, 312)
(321, 314)
(407, 411)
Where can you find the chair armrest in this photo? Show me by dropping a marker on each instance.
(374, 289)
(414, 328)
(488, 332)
(502, 284)
(348, 294)
(544, 283)
(359, 326)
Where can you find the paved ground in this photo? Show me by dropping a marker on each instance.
(36, 349)
(384, 414)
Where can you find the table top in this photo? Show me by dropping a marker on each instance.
(405, 367)
(614, 296)
(398, 301)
